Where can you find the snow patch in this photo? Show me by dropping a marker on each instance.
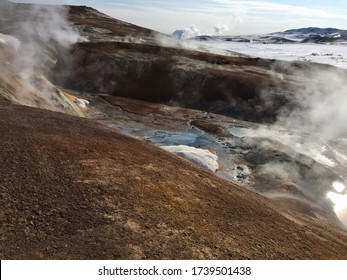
(198, 156)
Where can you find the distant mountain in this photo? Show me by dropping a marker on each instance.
(314, 30)
(301, 35)
(315, 35)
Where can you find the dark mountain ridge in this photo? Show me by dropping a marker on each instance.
(315, 30)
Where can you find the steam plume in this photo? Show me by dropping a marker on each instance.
(43, 24)
(320, 120)
(322, 105)
(42, 30)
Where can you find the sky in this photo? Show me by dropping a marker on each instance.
(220, 17)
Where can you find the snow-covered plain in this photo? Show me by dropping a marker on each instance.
(333, 54)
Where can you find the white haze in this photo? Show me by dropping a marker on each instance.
(324, 112)
(44, 24)
(323, 106)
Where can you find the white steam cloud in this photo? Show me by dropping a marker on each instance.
(42, 31)
(44, 28)
(322, 106)
(221, 28)
(194, 31)
(318, 120)
(217, 28)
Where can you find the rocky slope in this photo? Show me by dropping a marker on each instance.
(73, 188)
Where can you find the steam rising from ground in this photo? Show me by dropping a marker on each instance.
(320, 117)
(42, 30)
(171, 42)
(314, 128)
(323, 111)
(43, 25)
(193, 31)
(322, 106)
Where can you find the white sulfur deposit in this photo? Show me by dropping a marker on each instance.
(198, 156)
(9, 41)
(82, 103)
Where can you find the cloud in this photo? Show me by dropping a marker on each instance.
(193, 31)
(44, 24)
(268, 8)
(190, 32)
(322, 98)
(242, 17)
(221, 28)
(51, 2)
(170, 18)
